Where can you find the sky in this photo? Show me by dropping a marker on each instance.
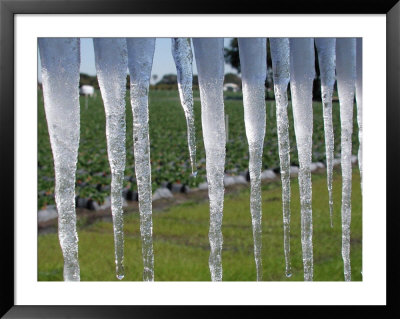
(163, 62)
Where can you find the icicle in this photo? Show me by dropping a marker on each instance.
(209, 53)
(183, 57)
(140, 61)
(111, 66)
(359, 101)
(302, 73)
(346, 74)
(327, 63)
(60, 58)
(253, 57)
(280, 52)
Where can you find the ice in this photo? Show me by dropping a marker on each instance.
(280, 55)
(302, 73)
(60, 59)
(111, 67)
(183, 57)
(359, 101)
(253, 57)
(140, 61)
(209, 53)
(346, 75)
(327, 64)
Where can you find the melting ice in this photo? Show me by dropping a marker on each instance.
(346, 75)
(302, 73)
(280, 55)
(209, 53)
(60, 58)
(183, 57)
(327, 64)
(359, 101)
(252, 52)
(111, 66)
(140, 61)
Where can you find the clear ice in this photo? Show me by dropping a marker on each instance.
(253, 57)
(280, 55)
(346, 75)
(326, 48)
(140, 62)
(60, 59)
(359, 101)
(302, 73)
(111, 67)
(209, 53)
(183, 57)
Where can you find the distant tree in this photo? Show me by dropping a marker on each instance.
(233, 78)
(231, 54)
(317, 80)
(168, 79)
(195, 79)
(154, 77)
(86, 79)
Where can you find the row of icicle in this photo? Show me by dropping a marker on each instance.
(292, 61)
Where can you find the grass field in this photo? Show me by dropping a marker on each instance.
(181, 247)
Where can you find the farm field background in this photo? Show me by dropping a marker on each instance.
(169, 152)
(180, 232)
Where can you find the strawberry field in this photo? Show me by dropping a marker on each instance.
(169, 152)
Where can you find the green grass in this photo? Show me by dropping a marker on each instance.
(181, 247)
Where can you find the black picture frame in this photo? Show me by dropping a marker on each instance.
(8, 9)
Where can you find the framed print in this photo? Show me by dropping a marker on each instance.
(25, 293)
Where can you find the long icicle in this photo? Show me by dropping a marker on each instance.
(111, 66)
(253, 58)
(302, 73)
(183, 57)
(326, 48)
(346, 74)
(140, 61)
(359, 100)
(60, 58)
(280, 55)
(209, 53)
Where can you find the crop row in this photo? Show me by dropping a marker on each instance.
(169, 153)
